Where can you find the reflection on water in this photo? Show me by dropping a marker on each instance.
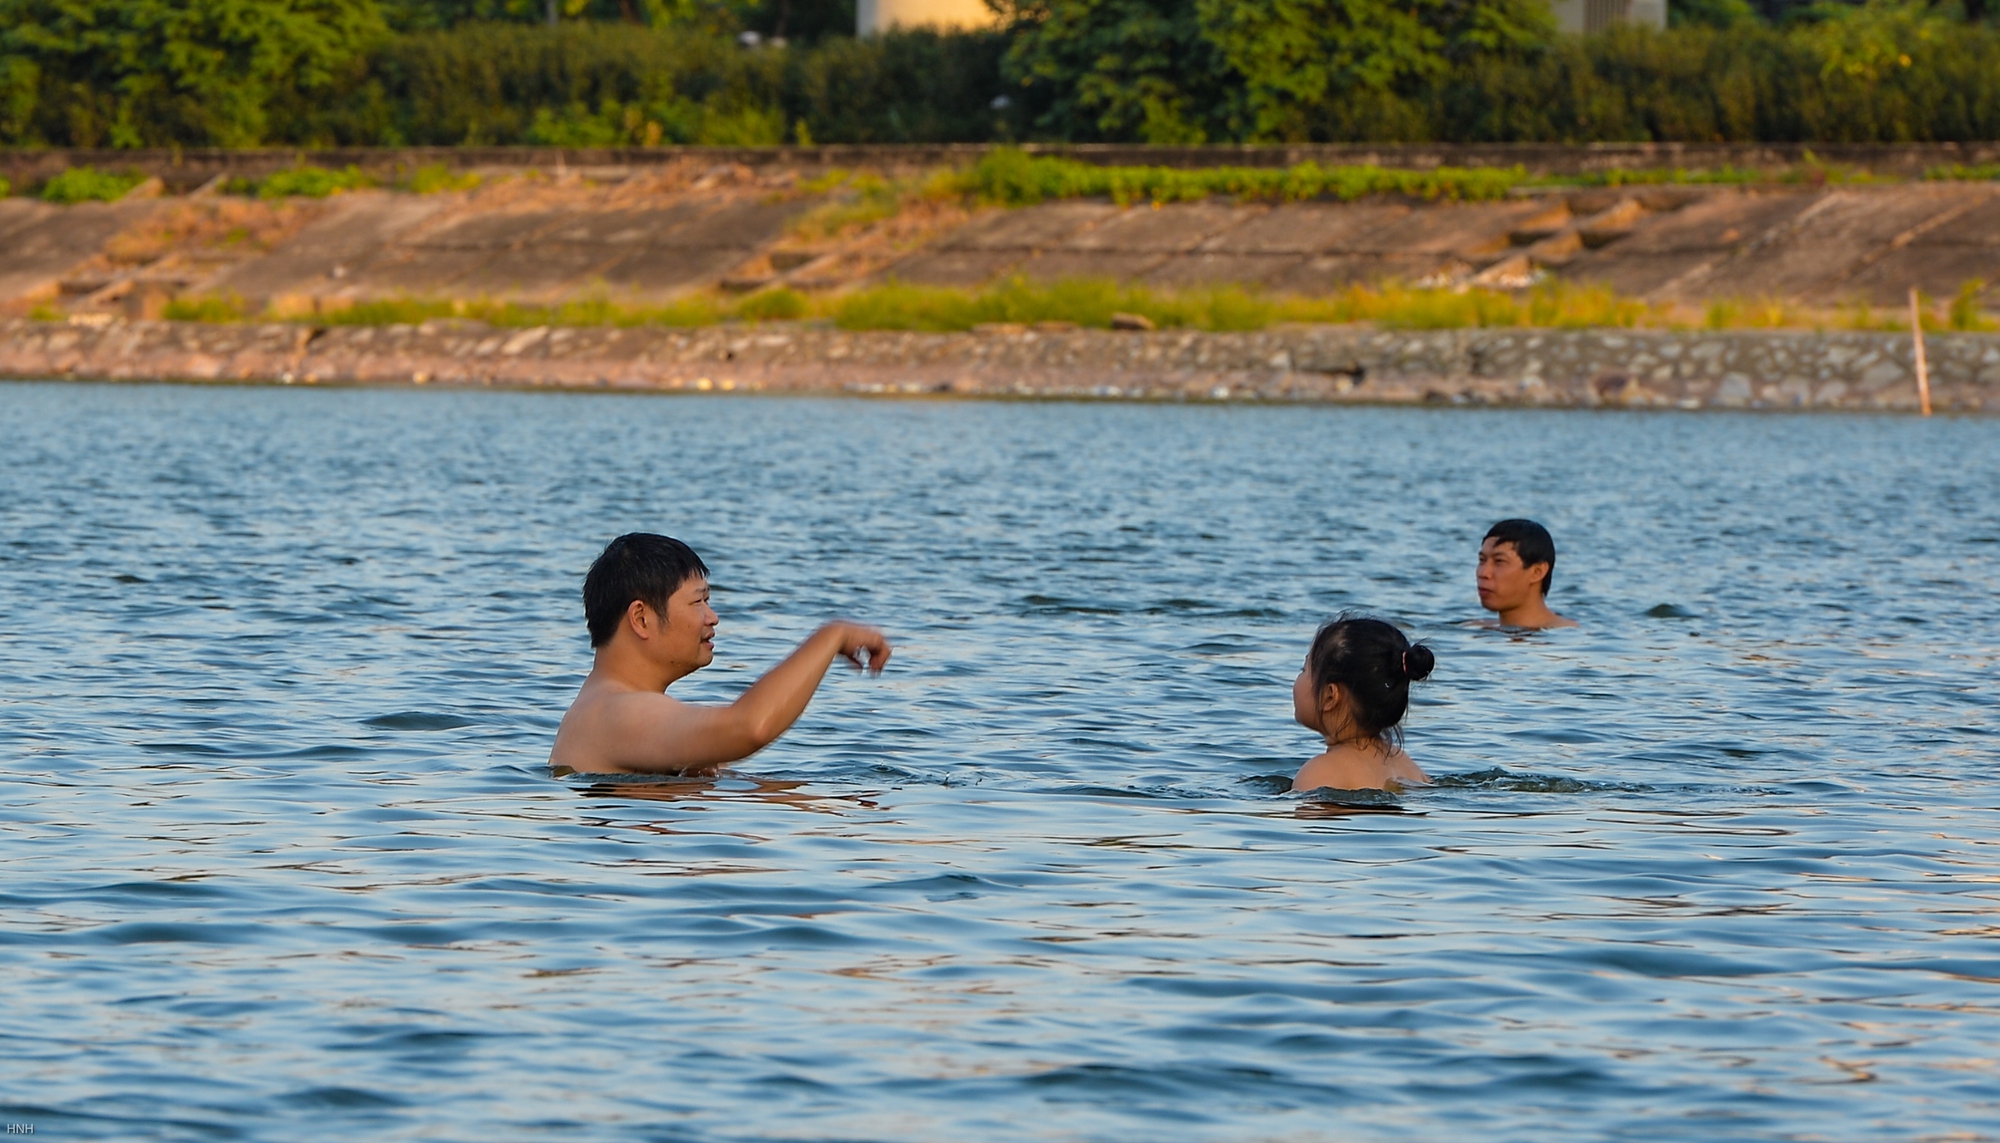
(280, 670)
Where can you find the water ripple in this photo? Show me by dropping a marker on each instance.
(281, 669)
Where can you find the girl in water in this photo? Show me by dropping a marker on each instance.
(1354, 690)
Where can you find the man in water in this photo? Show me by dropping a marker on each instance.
(646, 603)
(1517, 565)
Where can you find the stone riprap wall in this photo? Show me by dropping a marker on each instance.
(1773, 370)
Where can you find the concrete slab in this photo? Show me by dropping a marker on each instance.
(1938, 271)
(1206, 268)
(415, 272)
(1465, 229)
(1029, 228)
(491, 231)
(359, 230)
(627, 228)
(661, 270)
(1713, 224)
(1331, 272)
(1822, 248)
(1305, 227)
(1058, 264)
(48, 245)
(541, 269)
(743, 225)
(1162, 229)
(16, 213)
(955, 267)
(1641, 275)
(1979, 226)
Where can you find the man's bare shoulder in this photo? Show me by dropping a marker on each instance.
(601, 728)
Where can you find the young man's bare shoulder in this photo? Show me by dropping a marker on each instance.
(605, 718)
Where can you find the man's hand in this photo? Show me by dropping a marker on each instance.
(857, 641)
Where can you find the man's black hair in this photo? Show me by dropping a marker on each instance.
(637, 565)
(1532, 543)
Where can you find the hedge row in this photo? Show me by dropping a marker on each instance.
(609, 84)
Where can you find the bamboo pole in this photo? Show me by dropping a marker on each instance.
(1923, 370)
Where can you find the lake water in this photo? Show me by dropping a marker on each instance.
(279, 670)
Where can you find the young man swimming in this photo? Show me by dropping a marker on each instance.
(646, 603)
(1517, 566)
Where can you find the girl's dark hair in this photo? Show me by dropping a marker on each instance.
(637, 565)
(1376, 665)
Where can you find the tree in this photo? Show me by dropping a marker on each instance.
(1120, 69)
(136, 73)
(1309, 66)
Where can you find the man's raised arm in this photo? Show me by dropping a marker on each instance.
(660, 735)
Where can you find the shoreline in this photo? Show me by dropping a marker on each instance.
(1555, 368)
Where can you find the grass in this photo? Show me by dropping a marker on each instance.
(227, 308)
(1091, 303)
(304, 181)
(1010, 177)
(437, 178)
(1965, 314)
(699, 310)
(88, 184)
(858, 200)
(1956, 172)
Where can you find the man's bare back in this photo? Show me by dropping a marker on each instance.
(624, 722)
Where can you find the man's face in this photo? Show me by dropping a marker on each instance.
(1504, 581)
(687, 631)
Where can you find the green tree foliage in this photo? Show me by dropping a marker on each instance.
(1711, 13)
(133, 73)
(903, 87)
(1121, 69)
(1356, 69)
(314, 72)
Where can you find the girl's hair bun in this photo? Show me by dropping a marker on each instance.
(1417, 662)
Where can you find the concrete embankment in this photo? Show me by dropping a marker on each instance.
(1646, 369)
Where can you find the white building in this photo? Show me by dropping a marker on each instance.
(1597, 15)
(874, 16)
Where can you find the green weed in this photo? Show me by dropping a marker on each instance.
(208, 308)
(438, 178)
(302, 182)
(1966, 314)
(88, 184)
(1956, 172)
(781, 304)
(1012, 177)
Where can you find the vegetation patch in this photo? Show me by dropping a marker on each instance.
(438, 178)
(305, 181)
(1011, 177)
(88, 184)
(1958, 172)
(210, 309)
(1092, 304)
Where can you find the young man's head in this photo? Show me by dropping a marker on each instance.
(652, 589)
(1517, 565)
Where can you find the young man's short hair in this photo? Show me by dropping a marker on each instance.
(637, 565)
(1532, 543)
